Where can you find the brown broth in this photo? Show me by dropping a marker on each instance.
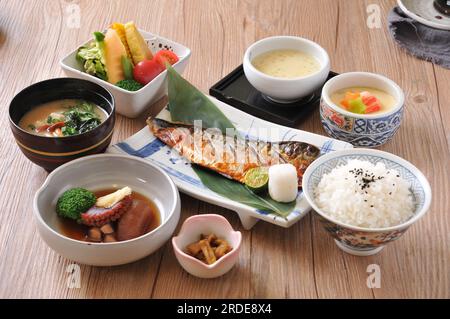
(38, 115)
(74, 230)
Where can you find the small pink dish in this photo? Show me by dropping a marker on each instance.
(190, 232)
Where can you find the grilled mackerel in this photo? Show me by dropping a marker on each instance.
(229, 155)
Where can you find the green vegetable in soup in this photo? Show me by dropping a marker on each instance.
(80, 118)
(129, 85)
(53, 120)
(92, 57)
(357, 106)
(73, 202)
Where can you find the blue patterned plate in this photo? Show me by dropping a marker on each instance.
(144, 144)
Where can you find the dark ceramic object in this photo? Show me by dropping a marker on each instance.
(51, 152)
(235, 90)
(442, 6)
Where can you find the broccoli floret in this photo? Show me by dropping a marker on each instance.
(73, 202)
(129, 85)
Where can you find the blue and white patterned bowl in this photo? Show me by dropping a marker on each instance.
(358, 240)
(364, 130)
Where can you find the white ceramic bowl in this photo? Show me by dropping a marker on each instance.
(362, 241)
(103, 171)
(281, 89)
(131, 104)
(365, 130)
(190, 232)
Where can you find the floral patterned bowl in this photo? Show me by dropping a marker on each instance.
(365, 130)
(366, 241)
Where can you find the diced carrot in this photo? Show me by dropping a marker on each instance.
(345, 104)
(349, 96)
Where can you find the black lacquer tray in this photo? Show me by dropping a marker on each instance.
(235, 90)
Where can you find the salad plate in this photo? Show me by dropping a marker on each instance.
(145, 145)
(128, 103)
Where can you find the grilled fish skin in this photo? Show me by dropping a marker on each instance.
(231, 156)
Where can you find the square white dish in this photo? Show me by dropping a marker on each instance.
(143, 144)
(131, 104)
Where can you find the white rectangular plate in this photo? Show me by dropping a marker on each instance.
(143, 144)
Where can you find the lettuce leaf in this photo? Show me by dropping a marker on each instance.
(92, 58)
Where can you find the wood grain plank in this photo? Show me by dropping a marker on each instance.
(421, 140)
(235, 284)
(312, 279)
(174, 282)
(299, 262)
(21, 247)
(20, 235)
(442, 77)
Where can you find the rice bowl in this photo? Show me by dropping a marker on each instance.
(363, 194)
(355, 230)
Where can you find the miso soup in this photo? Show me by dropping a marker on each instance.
(63, 118)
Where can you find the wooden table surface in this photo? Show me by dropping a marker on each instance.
(299, 262)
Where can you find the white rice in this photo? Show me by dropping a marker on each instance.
(365, 195)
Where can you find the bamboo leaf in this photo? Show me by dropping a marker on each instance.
(186, 104)
(238, 192)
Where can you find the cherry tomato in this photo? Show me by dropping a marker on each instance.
(145, 71)
(166, 55)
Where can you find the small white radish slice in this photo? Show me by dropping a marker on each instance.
(283, 184)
